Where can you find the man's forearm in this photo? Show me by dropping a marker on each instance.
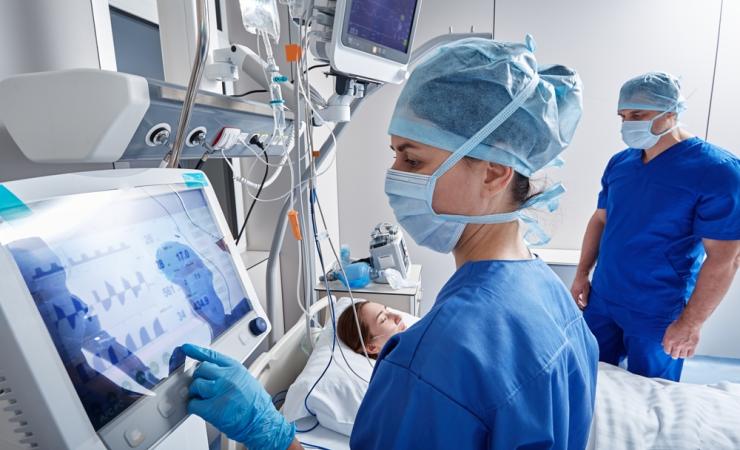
(714, 281)
(590, 247)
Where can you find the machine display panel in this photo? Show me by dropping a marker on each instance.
(122, 279)
(386, 23)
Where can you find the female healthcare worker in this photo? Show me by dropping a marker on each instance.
(504, 359)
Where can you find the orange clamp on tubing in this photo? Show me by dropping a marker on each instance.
(293, 52)
(315, 153)
(294, 225)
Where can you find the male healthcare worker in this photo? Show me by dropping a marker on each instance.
(504, 358)
(666, 201)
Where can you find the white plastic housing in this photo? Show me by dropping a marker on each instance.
(354, 62)
(78, 115)
(32, 374)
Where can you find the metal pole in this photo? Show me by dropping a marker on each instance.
(201, 7)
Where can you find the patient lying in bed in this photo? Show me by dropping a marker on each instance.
(631, 411)
(376, 322)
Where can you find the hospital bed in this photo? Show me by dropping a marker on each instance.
(278, 368)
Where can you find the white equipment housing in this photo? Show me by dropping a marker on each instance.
(388, 250)
(43, 107)
(89, 115)
(371, 42)
(140, 254)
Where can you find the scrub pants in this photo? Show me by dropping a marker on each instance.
(636, 335)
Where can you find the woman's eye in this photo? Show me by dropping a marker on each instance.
(412, 163)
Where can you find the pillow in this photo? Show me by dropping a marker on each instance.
(336, 398)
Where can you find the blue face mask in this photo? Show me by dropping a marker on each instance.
(639, 133)
(407, 196)
(410, 195)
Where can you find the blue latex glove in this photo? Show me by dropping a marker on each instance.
(225, 394)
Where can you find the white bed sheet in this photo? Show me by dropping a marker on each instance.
(633, 412)
(321, 436)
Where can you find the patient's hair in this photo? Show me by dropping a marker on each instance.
(347, 328)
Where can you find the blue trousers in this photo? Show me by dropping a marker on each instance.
(636, 335)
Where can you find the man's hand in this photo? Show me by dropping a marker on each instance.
(580, 290)
(681, 338)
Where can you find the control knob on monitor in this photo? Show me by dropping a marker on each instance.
(258, 326)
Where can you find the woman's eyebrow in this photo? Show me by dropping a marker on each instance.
(405, 146)
(381, 312)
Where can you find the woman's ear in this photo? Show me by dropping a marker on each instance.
(372, 349)
(498, 177)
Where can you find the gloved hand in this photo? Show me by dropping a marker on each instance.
(225, 394)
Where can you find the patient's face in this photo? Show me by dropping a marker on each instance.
(382, 324)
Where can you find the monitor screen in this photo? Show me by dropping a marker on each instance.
(387, 23)
(122, 279)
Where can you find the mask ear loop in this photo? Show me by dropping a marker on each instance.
(674, 109)
(652, 122)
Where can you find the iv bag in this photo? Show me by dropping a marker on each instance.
(261, 15)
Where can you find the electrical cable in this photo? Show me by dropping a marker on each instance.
(256, 91)
(323, 268)
(357, 323)
(349, 289)
(330, 297)
(254, 201)
(314, 199)
(333, 321)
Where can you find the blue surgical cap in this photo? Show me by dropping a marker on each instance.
(456, 91)
(653, 91)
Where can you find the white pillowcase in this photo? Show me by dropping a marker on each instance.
(336, 398)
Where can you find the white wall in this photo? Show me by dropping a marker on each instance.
(608, 43)
(723, 129)
(364, 154)
(721, 333)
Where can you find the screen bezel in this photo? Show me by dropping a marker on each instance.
(373, 48)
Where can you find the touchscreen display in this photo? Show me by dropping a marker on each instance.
(388, 23)
(122, 279)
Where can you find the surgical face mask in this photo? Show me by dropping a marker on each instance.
(638, 133)
(406, 196)
(410, 195)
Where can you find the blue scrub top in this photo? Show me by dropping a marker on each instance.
(656, 216)
(503, 360)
